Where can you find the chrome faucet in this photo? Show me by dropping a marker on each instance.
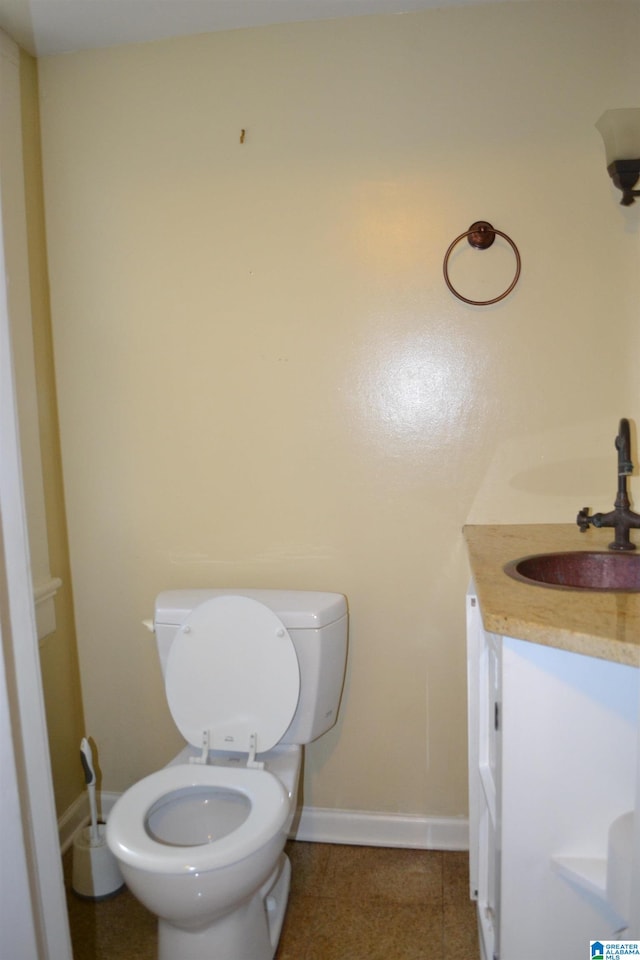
(621, 518)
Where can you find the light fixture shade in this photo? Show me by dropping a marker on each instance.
(620, 130)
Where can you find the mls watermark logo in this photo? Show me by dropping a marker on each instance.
(613, 950)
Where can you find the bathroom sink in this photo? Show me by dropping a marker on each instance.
(579, 570)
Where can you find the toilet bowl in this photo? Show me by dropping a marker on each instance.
(193, 840)
(200, 843)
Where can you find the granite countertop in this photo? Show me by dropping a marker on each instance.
(597, 624)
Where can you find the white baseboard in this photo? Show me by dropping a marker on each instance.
(366, 828)
(322, 825)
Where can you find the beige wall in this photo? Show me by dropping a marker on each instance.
(263, 379)
(58, 654)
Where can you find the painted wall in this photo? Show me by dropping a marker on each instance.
(263, 379)
(58, 652)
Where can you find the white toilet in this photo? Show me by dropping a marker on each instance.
(250, 676)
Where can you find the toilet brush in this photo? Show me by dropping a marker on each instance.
(96, 874)
(86, 758)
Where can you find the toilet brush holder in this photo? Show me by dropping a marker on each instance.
(95, 874)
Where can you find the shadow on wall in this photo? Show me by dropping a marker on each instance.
(532, 481)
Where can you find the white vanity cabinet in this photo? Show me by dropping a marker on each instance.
(485, 766)
(553, 741)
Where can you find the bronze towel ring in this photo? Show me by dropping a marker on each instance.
(481, 235)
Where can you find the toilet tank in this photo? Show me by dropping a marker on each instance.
(317, 624)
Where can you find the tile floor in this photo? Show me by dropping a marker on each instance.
(346, 903)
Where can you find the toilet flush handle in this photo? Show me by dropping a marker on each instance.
(149, 624)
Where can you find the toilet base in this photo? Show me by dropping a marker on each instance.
(251, 932)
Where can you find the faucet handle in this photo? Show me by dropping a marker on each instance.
(583, 519)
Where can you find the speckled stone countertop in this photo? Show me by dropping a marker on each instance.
(597, 624)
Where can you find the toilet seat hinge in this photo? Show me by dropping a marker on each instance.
(252, 762)
(206, 736)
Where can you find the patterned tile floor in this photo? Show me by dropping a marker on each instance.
(346, 903)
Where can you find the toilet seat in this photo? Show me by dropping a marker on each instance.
(216, 670)
(132, 844)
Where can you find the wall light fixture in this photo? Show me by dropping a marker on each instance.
(620, 130)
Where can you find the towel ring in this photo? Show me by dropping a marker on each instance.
(481, 235)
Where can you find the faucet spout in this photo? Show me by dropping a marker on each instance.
(621, 518)
(623, 446)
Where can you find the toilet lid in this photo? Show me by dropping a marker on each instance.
(232, 670)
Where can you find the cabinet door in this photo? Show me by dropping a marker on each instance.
(568, 771)
(484, 692)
